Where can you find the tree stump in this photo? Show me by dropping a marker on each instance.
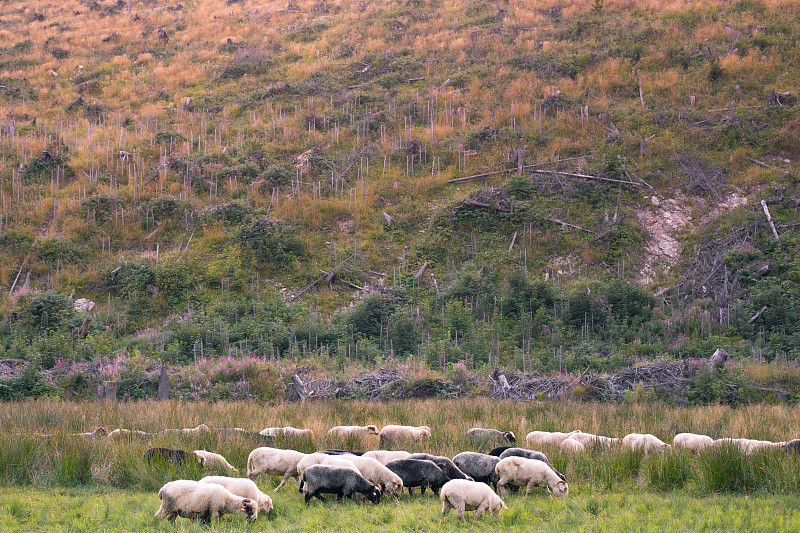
(107, 390)
(163, 384)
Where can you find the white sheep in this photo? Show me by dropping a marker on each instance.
(393, 434)
(98, 432)
(529, 473)
(202, 428)
(387, 456)
(463, 495)
(318, 458)
(589, 439)
(274, 462)
(346, 431)
(211, 460)
(692, 441)
(760, 445)
(192, 499)
(538, 438)
(646, 442)
(287, 431)
(242, 487)
(377, 473)
(572, 446)
(127, 433)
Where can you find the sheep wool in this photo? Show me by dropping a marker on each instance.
(463, 495)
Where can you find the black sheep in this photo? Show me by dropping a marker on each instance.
(500, 449)
(344, 482)
(331, 451)
(418, 473)
(166, 455)
(793, 446)
(447, 466)
(530, 454)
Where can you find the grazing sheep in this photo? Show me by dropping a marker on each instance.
(447, 466)
(754, 446)
(572, 446)
(377, 473)
(692, 441)
(321, 459)
(346, 431)
(500, 449)
(538, 438)
(647, 442)
(479, 466)
(287, 431)
(98, 432)
(529, 473)
(393, 434)
(242, 487)
(419, 473)
(463, 495)
(332, 451)
(202, 428)
(166, 455)
(793, 446)
(387, 456)
(482, 436)
(206, 501)
(273, 462)
(127, 433)
(742, 444)
(210, 460)
(530, 454)
(344, 482)
(591, 440)
(252, 436)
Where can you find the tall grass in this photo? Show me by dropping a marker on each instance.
(26, 458)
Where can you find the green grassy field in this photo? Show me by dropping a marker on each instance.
(67, 483)
(75, 510)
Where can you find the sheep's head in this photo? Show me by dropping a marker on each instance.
(374, 495)
(561, 488)
(265, 504)
(372, 430)
(250, 509)
(498, 506)
(203, 428)
(200, 458)
(100, 431)
(425, 432)
(510, 437)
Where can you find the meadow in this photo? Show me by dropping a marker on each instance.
(98, 484)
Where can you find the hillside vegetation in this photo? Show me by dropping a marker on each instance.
(542, 186)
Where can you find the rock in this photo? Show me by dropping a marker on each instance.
(83, 305)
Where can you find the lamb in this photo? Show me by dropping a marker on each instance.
(202, 428)
(419, 473)
(287, 431)
(377, 473)
(210, 460)
(530, 454)
(463, 495)
(344, 482)
(386, 456)
(692, 441)
(273, 462)
(447, 466)
(242, 487)
(127, 433)
(538, 438)
(346, 431)
(482, 436)
(529, 473)
(479, 466)
(166, 455)
(393, 434)
(647, 443)
(206, 501)
(572, 446)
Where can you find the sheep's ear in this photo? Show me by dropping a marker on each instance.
(562, 486)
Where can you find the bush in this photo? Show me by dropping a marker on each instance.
(50, 309)
(271, 242)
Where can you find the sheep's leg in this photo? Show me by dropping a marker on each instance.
(284, 480)
(446, 507)
(460, 513)
(479, 511)
(501, 487)
(529, 487)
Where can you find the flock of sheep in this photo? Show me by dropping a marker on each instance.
(464, 483)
